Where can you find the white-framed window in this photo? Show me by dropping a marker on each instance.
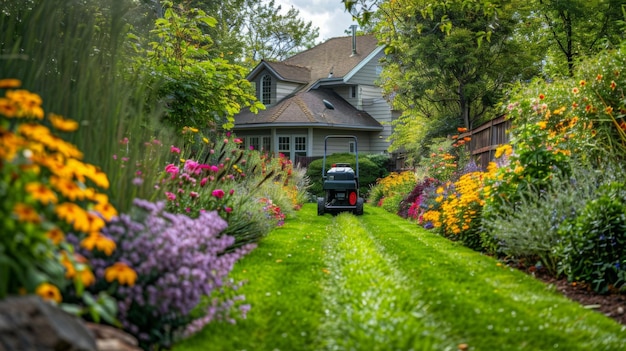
(266, 89)
(292, 145)
(260, 143)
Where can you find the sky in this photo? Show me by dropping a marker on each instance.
(328, 15)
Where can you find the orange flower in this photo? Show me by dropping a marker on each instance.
(8, 108)
(575, 90)
(467, 138)
(67, 188)
(86, 277)
(49, 292)
(56, 235)
(62, 124)
(582, 83)
(106, 210)
(41, 193)
(70, 271)
(599, 77)
(73, 214)
(122, 273)
(541, 96)
(462, 129)
(26, 213)
(608, 110)
(622, 126)
(10, 83)
(613, 85)
(100, 242)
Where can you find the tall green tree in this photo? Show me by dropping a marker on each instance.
(448, 62)
(574, 29)
(198, 89)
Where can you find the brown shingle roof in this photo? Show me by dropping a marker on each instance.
(334, 55)
(307, 108)
(291, 72)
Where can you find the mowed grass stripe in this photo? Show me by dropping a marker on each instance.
(486, 305)
(284, 288)
(368, 303)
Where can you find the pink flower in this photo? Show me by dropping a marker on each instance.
(225, 141)
(251, 147)
(238, 141)
(174, 150)
(214, 168)
(192, 166)
(228, 134)
(218, 193)
(193, 194)
(232, 191)
(172, 169)
(170, 196)
(228, 209)
(115, 157)
(124, 141)
(203, 181)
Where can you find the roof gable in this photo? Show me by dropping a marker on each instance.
(282, 71)
(334, 56)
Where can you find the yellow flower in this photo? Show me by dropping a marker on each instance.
(106, 210)
(10, 83)
(86, 277)
(542, 124)
(100, 242)
(8, 108)
(67, 188)
(55, 235)
(49, 292)
(122, 273)
(62, 124)
(505, 149)
(41, 193)
(26, 213)
(205, 140)
(29, 103)
(73, 214)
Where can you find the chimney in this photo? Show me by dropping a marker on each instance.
(353, 39)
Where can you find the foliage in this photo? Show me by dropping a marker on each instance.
(595, 241)
(245, 187)
(571, 30)
(448, 61)
(529, 228)
(47, 191)
(413, 206)
(177, 260)
(368, 171)
(197, 89)
(391, 190)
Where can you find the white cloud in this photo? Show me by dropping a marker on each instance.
(328, 15)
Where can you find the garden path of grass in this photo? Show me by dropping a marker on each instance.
(378, 282)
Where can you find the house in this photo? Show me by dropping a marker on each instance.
(328, 89)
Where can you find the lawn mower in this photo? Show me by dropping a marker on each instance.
(340, 184)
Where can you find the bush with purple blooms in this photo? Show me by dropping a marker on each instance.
(178, 260)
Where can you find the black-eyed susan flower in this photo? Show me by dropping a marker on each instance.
(41, 193)
(96, 223)
(72, 214)
(122, 273)
(86, 276)
(100, 242)
(8, 108)
(26, 213)
(105, 209)
(10, 83)
(67, 188)
(49, 292)
(62, 124)
(56, 235)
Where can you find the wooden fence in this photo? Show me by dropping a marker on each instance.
(486, 138)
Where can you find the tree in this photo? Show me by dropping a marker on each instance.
(449, 61)
(273, 36)
(199, 90)
(577, 28)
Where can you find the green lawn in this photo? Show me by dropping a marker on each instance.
(378, 282)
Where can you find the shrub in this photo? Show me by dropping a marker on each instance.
(595, 241)
(178, 260)
(412, 206)
(368, 172)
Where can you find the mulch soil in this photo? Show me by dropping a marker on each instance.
(612, 304)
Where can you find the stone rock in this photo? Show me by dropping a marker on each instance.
(112, 339)
(29, 323)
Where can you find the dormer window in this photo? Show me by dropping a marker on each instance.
(266, 89)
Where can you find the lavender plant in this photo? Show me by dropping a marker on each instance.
(179, 261)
